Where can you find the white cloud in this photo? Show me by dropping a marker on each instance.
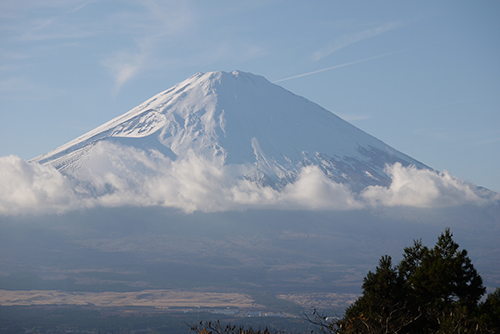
(154, 26)
(117, 175)
(339, 66)
(352, 38)
(421, 188)
(28, 188)
(314, 190)
(125, 65)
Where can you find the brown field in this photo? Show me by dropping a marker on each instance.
(321, 300)
(151, 298)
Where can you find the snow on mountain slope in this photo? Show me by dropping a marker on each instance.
(236, 119)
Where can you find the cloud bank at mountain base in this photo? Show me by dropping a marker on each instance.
(119, 175)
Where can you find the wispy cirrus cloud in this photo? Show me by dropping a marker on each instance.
(152, 28)
(17, 9)
(127, 40)
(44, 21)
(339, 66)
(53, 29)
(137, 37)
(15, 87)
(352, 38)
(124, 65)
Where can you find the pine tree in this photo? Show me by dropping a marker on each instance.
(429, 291)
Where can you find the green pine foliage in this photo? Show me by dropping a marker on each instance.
(432, 290)
(489, 312)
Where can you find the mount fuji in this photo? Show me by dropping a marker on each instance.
(227, 182)
(231, 119)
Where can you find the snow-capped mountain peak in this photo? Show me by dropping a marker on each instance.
(239, 118)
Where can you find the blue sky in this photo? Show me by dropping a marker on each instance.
(423, 76)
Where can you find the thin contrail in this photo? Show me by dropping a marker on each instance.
(342, 65)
